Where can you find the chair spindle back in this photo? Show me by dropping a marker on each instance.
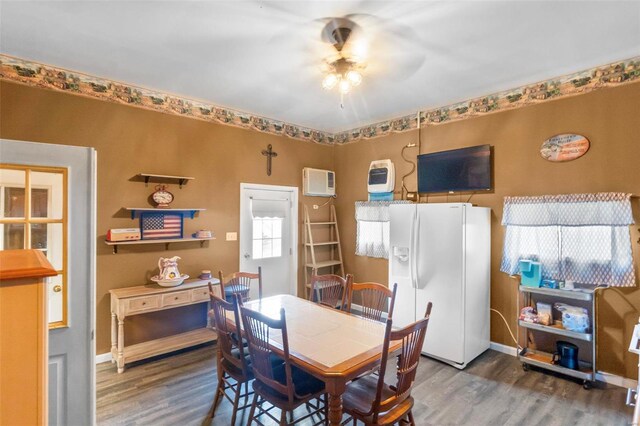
(374, 299)
(240, 282)
(412, 338)
(330, 290)
(257, 329)
(226, 341)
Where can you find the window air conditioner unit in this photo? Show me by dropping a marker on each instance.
(318, 183)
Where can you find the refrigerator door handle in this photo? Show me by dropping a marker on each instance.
(414, 250)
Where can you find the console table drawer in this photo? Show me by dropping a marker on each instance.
(200, 294)
(137, 304)
(176, 298)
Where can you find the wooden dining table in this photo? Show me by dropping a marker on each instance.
(332, 345)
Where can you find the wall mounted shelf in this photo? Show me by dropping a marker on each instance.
(166, 242)
(182, 180)
(135, 211)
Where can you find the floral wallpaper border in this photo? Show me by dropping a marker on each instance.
(45, 76)
(586, 81)
(49, 77)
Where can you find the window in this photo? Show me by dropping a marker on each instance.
(583, 238)
(372, 228)
(267, 237)
(33, 215)
(268, 218)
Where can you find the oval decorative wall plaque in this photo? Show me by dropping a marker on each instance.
(565, 147)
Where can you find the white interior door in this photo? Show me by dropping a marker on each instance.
(71, 369)
(268, 236)
(439, 266)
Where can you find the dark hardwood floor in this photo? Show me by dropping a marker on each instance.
(493, 390)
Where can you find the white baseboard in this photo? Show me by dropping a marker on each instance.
(612, 379)
(601, 376)
(499, 347)
(103, 358)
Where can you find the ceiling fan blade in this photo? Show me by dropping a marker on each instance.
(390, 49)
(386, 48)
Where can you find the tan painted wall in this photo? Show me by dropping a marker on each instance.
(131, 140)
(128, 140)
(609, 118)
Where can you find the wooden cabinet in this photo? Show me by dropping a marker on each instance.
(150, 298)
(23, 337)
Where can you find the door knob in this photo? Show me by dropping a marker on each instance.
(57, 288)
(247, 255)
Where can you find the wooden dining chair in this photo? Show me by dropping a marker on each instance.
(374, 299)
(330, 290)
(240, 282)
(373, 402)
(284, 386)
(232, 359)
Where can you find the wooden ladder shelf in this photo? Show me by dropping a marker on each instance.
(334, 261)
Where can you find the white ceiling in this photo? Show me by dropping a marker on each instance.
(265, 57)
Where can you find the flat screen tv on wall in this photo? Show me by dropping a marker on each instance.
(457, 170)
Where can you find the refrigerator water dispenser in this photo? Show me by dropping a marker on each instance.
(399, 261)
(401, 253)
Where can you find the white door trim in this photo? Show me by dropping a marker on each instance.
(294, 223)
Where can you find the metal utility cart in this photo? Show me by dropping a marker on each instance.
(585, 296)
(632, 394)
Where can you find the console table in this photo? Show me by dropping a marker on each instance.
(150, 298)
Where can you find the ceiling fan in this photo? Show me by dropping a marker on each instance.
(342, 48)
(344, 69)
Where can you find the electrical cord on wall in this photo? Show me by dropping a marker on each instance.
(472, 194)
(316, 207)
(508, 328)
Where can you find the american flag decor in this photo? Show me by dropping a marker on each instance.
(159, 225)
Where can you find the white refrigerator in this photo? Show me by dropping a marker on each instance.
(440, 253)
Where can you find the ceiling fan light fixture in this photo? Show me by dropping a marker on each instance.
(345, 71)
(354, 77)
(344, 86)
(329, 81)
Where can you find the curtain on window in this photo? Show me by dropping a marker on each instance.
(580, 237)
(372, 230)
(269, 208)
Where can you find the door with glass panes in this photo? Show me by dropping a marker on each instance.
(47, 202)
(268, 216)
(33, 215)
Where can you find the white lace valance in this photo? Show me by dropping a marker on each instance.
(602, 209)
(579, 237)
(375, 211)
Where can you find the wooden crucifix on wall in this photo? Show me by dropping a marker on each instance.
(269, 153)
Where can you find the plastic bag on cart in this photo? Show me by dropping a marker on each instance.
(574, 318)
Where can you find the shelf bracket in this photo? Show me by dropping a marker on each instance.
(166, 246)
(202, 243)
(115, 249)
(146, 180)
(181, 182)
